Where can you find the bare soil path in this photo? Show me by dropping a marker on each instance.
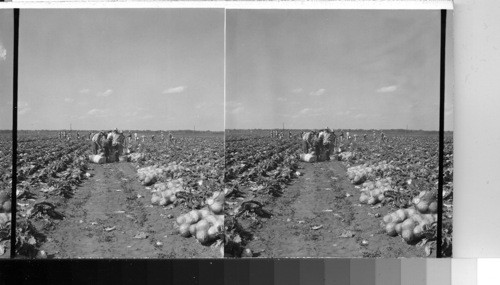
(110, 216)
(320, 216)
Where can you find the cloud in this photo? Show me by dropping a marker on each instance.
(308, 112)
(318, 92)
(297, 90)
(22, 107)
(3, 52)
(174, 90)
(84, 91)
(105, 93)
(137, 111)
(98, 112)
(305, 111)
(237, 110)
(387, 89)
(234, 107)
(360, 116)
(68, 100)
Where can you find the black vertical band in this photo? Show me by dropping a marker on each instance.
(441, 136)
(14, 136)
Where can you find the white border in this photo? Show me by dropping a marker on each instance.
(314, 4)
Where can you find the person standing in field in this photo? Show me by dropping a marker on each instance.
(272, 134)
(119, 142)
(152, 137)
(143, 137)
(325, 139)
(96, 142)
(306, 141)
(317, 143)
(162, 136)
(77, 135)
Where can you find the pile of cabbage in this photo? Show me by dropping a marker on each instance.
(206, 224)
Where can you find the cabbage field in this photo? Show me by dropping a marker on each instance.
(69, 207)
(5, 192)
(375, 198)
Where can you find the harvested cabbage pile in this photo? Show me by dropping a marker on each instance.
(361, 173)
(136, 157)
(373, 192)
(5, 207)
(346, 156)
(426, 202)
(409, 223)
(165, 193)
(149, 175)
(206, 224)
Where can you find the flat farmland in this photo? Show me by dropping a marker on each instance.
(72, 208)
(279, 206)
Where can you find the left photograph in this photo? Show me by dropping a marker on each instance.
(6, 86)
(120, 133)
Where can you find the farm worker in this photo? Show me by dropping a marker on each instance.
(106, 145)
(355, 137)
(152, 138)
(109, 144)
(306, 141)
(317, 143)
(347, 135)
(96, 142)
(325, 137)
(364, 136)
(129, 137)
(143, 136)
(341, 136)
(289, 134)
(271, 134)
(162, 136)
(77, 135)
(118, 142)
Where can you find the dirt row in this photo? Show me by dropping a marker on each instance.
(319, 215)
(111, 216)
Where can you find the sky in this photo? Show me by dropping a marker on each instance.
(140, 69)
(338, 69)
(6, 67)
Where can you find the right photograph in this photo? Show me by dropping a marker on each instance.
(332, 124)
